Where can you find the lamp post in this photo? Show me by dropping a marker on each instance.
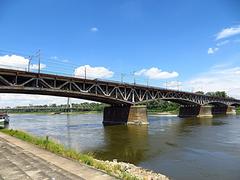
(85, 72)
(29, 63)
(134, 80)
(122, 76)
(39, 61)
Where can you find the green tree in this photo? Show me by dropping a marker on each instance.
(217, 94)
(199, 92)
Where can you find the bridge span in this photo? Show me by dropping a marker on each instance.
(124, 98)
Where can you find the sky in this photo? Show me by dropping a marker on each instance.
(189, 45)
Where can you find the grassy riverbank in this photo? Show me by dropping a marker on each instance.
(59, 149)
(118, 169)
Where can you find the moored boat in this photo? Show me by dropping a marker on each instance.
(4, 118)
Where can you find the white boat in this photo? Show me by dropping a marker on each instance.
(4, 118)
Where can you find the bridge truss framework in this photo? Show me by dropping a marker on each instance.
(114, 93)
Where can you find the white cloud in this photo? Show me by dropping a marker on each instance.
(13, 100)
(212, 50)
(223, 43)
(54, 57)
(17, 62)
(13, 62)
(155, 73)
(224, 65)
(173, 85)
(93, 72)
(94, 29)
(236, 41)
(228, 32)
(35, 66)
(217, 78)
(65, 60)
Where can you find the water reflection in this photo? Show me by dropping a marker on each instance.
(201, 122)
(137, 143)
(69, 141)
(187, 125)
(125, 143)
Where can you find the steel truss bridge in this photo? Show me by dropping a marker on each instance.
(113, 93)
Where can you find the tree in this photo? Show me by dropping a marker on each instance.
(217, 94)
(221, 94)
(210, 94)
(199, 92)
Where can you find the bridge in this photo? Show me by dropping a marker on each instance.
(125, 99)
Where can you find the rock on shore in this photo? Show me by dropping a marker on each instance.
(140, 173)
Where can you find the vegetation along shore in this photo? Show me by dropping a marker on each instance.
(121, 170)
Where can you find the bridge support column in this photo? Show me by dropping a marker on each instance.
(205, 111)
(195, 111)
(125, 115)
(219, 110)
(231, 110)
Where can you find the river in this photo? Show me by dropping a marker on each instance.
(179, 148)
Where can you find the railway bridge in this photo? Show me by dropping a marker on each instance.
(124, 99)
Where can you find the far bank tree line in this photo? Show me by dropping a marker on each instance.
(215, 94)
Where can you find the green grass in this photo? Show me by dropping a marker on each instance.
(59, 149)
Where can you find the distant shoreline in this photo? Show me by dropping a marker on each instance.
(163, 113)
(150, 112)
(57, 113)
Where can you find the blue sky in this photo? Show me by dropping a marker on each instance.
(127, 36)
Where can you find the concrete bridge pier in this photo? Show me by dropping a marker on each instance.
(114, 115)
(195, 111)
(231, 110)
(205, 110)
(219, 110)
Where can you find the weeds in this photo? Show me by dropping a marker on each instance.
(59, 149)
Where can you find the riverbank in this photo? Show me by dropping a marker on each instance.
(95, 112)
(55, 113)
(166, 113)
(21, 160)
(118, 169)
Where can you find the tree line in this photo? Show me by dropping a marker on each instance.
(222, 94)
(74, 107)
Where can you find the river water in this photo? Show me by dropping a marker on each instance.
(179, 148)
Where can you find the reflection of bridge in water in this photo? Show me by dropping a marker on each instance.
(136, 144)
(129, 147)
(122, 97)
